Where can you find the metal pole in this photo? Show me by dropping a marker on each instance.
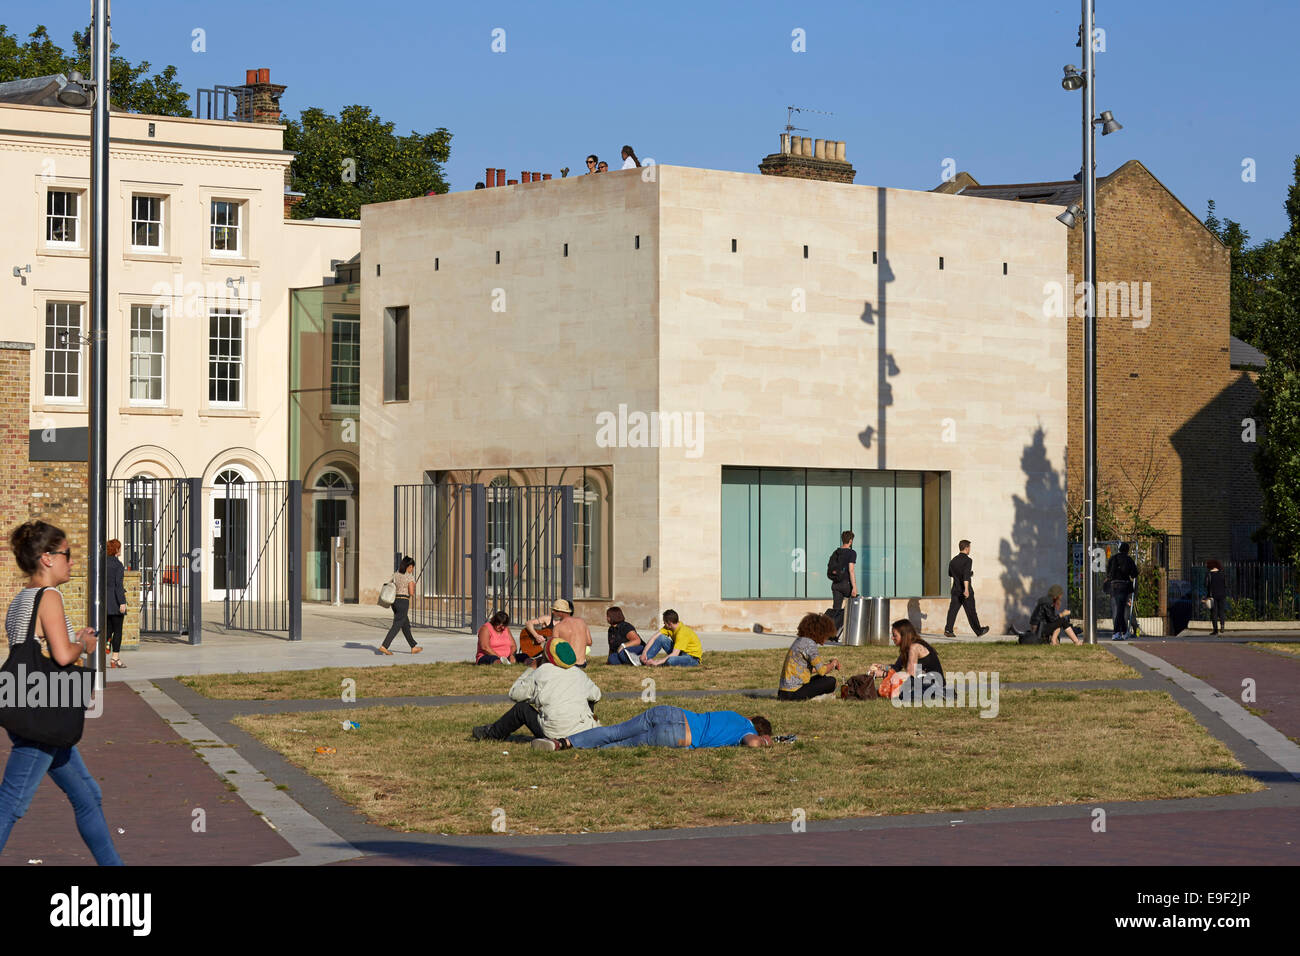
(97, 489)
(195, 561)
(295, 560)
(1089, 184)
(566, 542)
(478, 556)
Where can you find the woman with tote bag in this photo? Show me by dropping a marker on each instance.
(42, 552)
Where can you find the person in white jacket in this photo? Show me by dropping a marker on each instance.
(553, 698)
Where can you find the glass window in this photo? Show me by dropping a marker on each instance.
(226, 358)
(224, 237)
(148, 354)
(345, 362)
(146, 222)
(63, 351)
(779, 527)
(61, 217)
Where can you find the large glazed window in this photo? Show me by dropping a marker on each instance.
(780, 525)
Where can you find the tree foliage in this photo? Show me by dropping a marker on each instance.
(355, 158)
(133, 88)
(1277, 460)
(1251, 275)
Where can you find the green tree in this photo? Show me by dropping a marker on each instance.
(347, 161)
(133, 88)
(1251, 274)
(1277, 460)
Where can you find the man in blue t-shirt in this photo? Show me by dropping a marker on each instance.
(665, 726)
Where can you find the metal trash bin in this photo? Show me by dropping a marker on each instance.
(877, 614)
(855, 622)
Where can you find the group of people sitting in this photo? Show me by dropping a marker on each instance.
(806, 674)
(556, 701)
(497, 644)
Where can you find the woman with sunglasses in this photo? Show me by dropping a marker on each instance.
(43, 553)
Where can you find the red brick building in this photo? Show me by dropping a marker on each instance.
(1173, 413)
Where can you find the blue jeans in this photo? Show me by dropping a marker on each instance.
(660, 726)
(28, 764)
(665, 643)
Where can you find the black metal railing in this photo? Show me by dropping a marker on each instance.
(258, 560)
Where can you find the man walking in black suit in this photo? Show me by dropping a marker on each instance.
(959, 569)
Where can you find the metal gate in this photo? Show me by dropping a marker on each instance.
(479, 549)
(257, 555)
(159, 522)
(1151, 610)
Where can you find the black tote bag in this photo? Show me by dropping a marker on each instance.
(56, 726)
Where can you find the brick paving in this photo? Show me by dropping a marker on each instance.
(1225, 666)
(152, 782)
(1266, 836)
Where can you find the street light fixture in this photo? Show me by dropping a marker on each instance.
(79, 92)
(1085, 80)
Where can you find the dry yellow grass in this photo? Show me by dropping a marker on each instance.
(1292, 650)
(721, 670)
(417, 768)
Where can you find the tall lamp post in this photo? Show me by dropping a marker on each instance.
(1074, 80)
(78, 93)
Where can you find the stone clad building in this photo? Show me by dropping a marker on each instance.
(817, 356)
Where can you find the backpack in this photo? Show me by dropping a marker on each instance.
(387, 594)
(835, 567)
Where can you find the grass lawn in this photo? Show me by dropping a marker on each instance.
(418, 769)
(1292, 650)
(721, 670)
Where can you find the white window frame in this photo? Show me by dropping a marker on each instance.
(76, 194)
(353, 321)
(72, 349)
(238, 206)
(160, 222)
(156, 313)
(241, 363)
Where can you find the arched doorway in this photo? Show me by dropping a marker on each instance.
(333, 513)
(233, 532)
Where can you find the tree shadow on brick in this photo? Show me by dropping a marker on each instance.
(1037, 535)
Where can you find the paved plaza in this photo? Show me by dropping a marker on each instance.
(184, 786)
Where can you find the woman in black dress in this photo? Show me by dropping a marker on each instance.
(115, 599)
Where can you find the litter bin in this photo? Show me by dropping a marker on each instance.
(877, 615)
(855, 622)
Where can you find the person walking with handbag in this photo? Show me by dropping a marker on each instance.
(404, 582)
(1217, 586)
(115, 600)
(43, 553)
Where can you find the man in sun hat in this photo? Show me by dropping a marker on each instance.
(553, 698)
(566, 627)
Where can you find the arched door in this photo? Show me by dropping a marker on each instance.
(333, 513)
(232, 532)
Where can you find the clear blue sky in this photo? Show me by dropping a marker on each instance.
(1199, 86)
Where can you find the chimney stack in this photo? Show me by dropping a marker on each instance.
(259, 98)
(802, 157)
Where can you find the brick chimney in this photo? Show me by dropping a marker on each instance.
(802, 157)
(259, 98)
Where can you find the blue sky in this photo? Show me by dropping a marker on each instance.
(1199, 86)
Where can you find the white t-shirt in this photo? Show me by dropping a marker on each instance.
(629, 163)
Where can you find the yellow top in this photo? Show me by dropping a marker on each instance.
(686, 641)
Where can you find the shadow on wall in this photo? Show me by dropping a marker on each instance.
(1037, 537)
(915, 615)
(1220, 487)
(874, 314)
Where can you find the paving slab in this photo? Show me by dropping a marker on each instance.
(152, 781)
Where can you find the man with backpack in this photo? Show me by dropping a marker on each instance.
(842, 571)
(1121, 575)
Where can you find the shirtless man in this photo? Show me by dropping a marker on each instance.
(567, 628)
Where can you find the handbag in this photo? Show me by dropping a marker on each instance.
(60, 717)
(892, 683)
(1208, 603)
(387, 594)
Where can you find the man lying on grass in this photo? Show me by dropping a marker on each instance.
(665, 726)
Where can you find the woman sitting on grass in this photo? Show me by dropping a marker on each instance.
(495, 642)
(665, 726)
(917, 662)
(805, 673)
